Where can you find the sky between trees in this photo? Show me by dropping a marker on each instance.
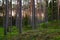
(26, 2)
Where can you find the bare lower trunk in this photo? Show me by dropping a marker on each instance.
(6, 17)
(20, 16)
(10, 16)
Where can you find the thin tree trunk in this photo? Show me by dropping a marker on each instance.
(11, 16)
(45, 12)
(17, 15)
(3, 16)
(40, 11)
(29, 11)
(58, 8)
(6, 16)
(37, 12)
(40, 6)
(33, 15)
(58, 11)
(52, 11)
(20, 16)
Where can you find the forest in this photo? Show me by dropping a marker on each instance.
(30, 20)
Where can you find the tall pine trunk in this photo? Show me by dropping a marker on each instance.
(10, 6)
(33, 15)
(6, 17)
(58, 11)
(20, 16)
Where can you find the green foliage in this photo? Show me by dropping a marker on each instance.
(50, 25)
(25, 21)
(13, 20)
(49, 11)
(40, 34)
(37, 35)
(52, 10)
(1, 21)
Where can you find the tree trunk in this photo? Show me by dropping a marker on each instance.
(20, 16)
(6, 17)
(10, 16)
(33, 15)
(58, 11)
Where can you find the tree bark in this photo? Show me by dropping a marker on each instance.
(6, 18)
(33, 15)
(10, 16)
(20, 16)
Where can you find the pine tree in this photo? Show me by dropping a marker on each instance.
(20, 16)
(6, 17)
(33, 15)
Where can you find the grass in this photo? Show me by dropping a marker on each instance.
(43, 32)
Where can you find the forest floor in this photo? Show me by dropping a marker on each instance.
(50, 31)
